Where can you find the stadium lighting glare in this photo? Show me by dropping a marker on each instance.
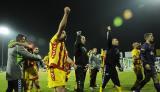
(118, 21)
(149, 2)
(127, 14)
(4, 30)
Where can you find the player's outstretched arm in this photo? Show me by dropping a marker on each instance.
(109, 37)
(63, 22)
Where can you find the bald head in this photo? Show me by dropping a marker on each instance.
(115, 42)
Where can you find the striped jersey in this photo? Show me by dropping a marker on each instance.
(57, 53)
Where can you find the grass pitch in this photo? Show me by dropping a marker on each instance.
(127, 79)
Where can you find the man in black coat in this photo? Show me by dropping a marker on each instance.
(81, 60)
(112, 60)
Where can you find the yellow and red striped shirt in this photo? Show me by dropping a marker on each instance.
(57, 53)
(103, 56)
(136, 53)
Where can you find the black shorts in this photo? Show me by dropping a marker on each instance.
(15, 85)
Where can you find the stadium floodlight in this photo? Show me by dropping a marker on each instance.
(3, 31)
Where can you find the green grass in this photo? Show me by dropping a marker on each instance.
(126, 78)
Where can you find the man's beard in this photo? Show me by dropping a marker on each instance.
(63, 39)
(152, 42)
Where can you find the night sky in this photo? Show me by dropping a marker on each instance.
(40, 20)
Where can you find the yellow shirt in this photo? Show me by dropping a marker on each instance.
(103, 56)
(57, 53)
(136, 53)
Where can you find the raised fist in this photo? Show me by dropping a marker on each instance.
(79, 32)
(67, 10)
(108, 28)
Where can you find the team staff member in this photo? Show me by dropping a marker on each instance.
(112, 60)
(94, 66)
(81, 60)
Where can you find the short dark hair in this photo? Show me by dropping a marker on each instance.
(146, 35)
(20, 37)
(134, 44)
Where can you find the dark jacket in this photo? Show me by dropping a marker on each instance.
(147, 54)
(81, 57)
(113, 53)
